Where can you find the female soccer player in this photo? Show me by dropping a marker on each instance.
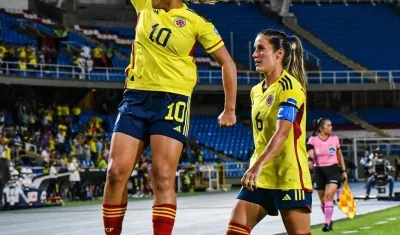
(329, 167)
(278, 178)
(156, 105)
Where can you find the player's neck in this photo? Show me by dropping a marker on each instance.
(323, 136)
(271, 77)
(174, 5)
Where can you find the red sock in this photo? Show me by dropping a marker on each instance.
(113, 215)
(163, 219)
(237, 229)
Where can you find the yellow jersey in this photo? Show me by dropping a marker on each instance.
(289, 168)
(162, 57)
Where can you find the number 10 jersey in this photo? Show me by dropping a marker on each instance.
(162, 53)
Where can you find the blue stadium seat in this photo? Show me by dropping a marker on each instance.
(359, 31)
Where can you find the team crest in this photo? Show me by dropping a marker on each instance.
(270, 100)
(180, 22)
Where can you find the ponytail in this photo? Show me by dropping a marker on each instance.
(317, 124)
(316, 127)
(296, 62)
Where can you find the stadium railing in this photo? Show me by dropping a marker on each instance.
(55, 71)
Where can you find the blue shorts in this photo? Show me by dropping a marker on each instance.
(272, 200)
(145, 113)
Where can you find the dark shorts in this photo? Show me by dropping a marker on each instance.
(326, 175)
(272, 200)
(146, 113)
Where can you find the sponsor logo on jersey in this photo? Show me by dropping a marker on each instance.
(180, 22)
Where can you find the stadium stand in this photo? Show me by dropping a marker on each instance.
(360, 31)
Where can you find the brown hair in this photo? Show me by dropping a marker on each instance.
(292, 60)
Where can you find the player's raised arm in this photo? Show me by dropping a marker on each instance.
(139, 5)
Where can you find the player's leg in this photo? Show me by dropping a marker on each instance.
(166, 153)
(127, 144)
(297, 221)
(319, 185)
(333, 178)
(249, 210)
(330, 190)
(295, 208)
(125, 151)
(169, 128)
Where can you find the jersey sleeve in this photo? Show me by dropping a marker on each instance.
(311, 141)
(290, 101)
(208, 36)
(337, 143)
(140, 5)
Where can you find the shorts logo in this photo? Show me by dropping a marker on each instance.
(333, 181)
(118, 117)
(270, 100)
(180, 22)
(216, 31)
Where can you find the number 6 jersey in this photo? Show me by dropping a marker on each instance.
(162, 57)
(285, 99)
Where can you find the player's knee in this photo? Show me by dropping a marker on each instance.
(162, 180)
(116, 175)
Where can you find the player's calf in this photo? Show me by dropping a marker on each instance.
(237, 229)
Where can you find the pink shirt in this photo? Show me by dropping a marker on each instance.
(325, 151)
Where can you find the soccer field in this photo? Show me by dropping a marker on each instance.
(204, 214)
(386, 222)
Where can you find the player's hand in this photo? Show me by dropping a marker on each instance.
(249, 179)
(344, 176)
(310, 165)
(227, 118)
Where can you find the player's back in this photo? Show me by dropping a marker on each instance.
(162, 57)
(289, 169)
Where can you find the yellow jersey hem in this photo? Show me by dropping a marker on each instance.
(160, 89)
(282, 187)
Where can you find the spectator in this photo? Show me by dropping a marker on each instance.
(98, 57)
(52, 189)
(85, 63)
(4, 173)
(74, 178)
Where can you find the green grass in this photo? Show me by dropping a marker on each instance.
(392, 227)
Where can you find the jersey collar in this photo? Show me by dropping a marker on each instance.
(184, 7)
(283, 74)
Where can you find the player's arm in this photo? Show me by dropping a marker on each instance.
(341, 160)
(140, 5)
(288, 109)
(228, 77)
(209, 38)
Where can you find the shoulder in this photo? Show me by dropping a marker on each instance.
(334, 137)
(192, 14)
(256, 90)
(290, 83)
(311, 139)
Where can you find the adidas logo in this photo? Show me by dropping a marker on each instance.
(286, 198)
(178, 128)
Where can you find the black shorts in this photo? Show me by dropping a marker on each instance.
(272, 200)
(326, 175)
(145, 113)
